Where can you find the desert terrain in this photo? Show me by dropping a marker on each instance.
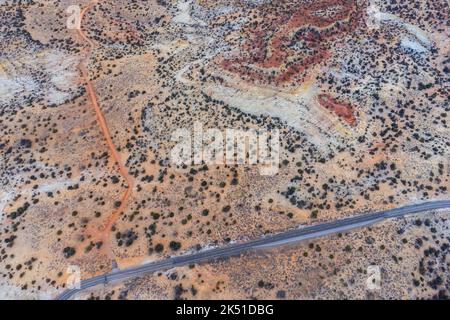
(358, 91)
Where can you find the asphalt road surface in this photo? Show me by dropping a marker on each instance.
(291, 236)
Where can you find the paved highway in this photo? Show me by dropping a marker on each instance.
(291, 236)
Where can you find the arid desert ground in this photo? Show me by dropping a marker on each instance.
(92, 92)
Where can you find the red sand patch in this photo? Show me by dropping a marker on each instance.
(344, 111)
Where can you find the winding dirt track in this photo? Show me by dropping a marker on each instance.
(103, 234)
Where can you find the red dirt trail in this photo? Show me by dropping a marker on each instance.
(103, 234)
